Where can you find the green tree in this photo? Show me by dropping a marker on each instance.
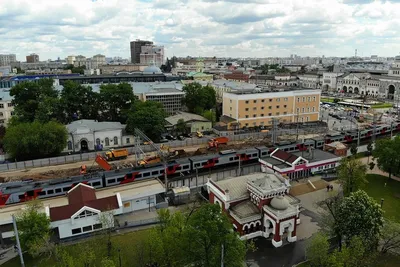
(35, 140)
(390, 236)
(210, 115)
(351, 174)
(199, 98)
(353, 149)
(33, 227)
(79, 100)
(386, 153)
(48, 109)
(116, 99)
(149, 117)
(264, 69)
(359, 215)
(181, 126)
(209, 230)
(317, 250)
(29, 95)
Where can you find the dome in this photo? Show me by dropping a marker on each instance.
(152, 70)
(279, 203)
(397, 58)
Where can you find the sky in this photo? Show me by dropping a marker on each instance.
(228, 28)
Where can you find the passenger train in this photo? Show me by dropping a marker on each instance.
(14, 192)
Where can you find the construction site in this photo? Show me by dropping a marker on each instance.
(105, 162)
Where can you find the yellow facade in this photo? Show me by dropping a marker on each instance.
(257, 109)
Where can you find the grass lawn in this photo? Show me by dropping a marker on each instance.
(129, 243)
(330, 100)
(390, 193)
(387, 260)
(382, 105)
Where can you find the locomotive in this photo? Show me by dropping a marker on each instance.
(22, 191)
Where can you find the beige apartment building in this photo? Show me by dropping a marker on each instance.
(251, 109)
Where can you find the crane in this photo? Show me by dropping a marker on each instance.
(139, 135)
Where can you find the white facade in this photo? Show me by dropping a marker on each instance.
(6, 107)
(70, 60)
(85, 135)
(329, 80)
(79, 61)
(152, 54)
(6, 60)
(312, 81)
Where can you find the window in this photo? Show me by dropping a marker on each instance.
(304, 99)
(230, 100)
(284, 113)
(107, 141)
(10, 104)
(98, 141)
(262, 114)
(96, 184)
(76, 231)
(277, 114)
(270, 107)
(247, 101)
(230, 108)
(270, 100)
(309, 99)
(277, 106)
(269, 114)
(247, 116)
(262, 107)
(254, 108)
(127, 204)
(1, 105)
(298, 99)
(111, 181)
(314, 98)
(254, 101)
(58, 190)
(262, 100)
(254, 115)
(308, 109)
(115, 140)
(278, 100)
(85, 213)
(69, 144)
(1, 114)
(128, 140)
(246, 124)
(247, 109)
(285, 106)
(285, 99)
(313, 109)
(99, 225)
(87, 228)
(303, 109)
(50, 191)
(298, 110)
(12, 113)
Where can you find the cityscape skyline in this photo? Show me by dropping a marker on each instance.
(229, 28)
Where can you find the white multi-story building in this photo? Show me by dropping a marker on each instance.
(6, 107)
(70, 60)
(80, 61)
(152, 54)
(6, 60)
(329, 80)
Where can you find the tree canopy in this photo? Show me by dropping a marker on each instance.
(199, 98)
(29, 98)
(196, 239)
(78, 102)
(387, 154)
(116, 100)
(30, 140)
(148, 117)
(359, 215)
(33, 227)
(351, 174)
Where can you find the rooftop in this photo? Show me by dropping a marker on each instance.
(93, 125)
(246, 209)
(187, 117)
(148, 87)
(284, 156)
(236, 187)
(271, 90)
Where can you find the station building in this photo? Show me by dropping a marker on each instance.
(84, 210)
(299, 164)
(259, 205)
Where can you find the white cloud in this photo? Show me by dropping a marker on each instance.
(200, 27)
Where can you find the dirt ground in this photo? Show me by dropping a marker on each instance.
(307, 188)
(72, 169)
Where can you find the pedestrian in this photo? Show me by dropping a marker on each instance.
(15, 248)
(327, 188)
(331, 186)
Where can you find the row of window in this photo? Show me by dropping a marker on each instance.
(269, 114)
(8, 105)
(269, 107)
(302, 119)
(85, 229)
(308, 98)
(270, 100)
(2, 113)
(304, 109)
(59, 190)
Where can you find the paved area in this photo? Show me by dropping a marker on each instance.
(8, 254)
(376, 170)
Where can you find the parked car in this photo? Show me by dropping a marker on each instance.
(163, 140)
(181, 137)
(170, 137)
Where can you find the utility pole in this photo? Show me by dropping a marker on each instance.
(297, 127)
(18, 244)
(239, 170)
(222, 255)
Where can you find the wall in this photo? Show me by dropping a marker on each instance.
(92, 137)
(65, 226)
(200, 126)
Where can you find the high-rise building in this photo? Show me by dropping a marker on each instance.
(136, 49)
(7, 59)
(32, 58)
(152, 54)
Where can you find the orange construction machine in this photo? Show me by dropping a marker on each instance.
(115, 154)
(215, 142)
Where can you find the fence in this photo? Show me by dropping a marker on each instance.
(146, 148)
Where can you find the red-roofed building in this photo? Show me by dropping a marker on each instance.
(83, 213)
